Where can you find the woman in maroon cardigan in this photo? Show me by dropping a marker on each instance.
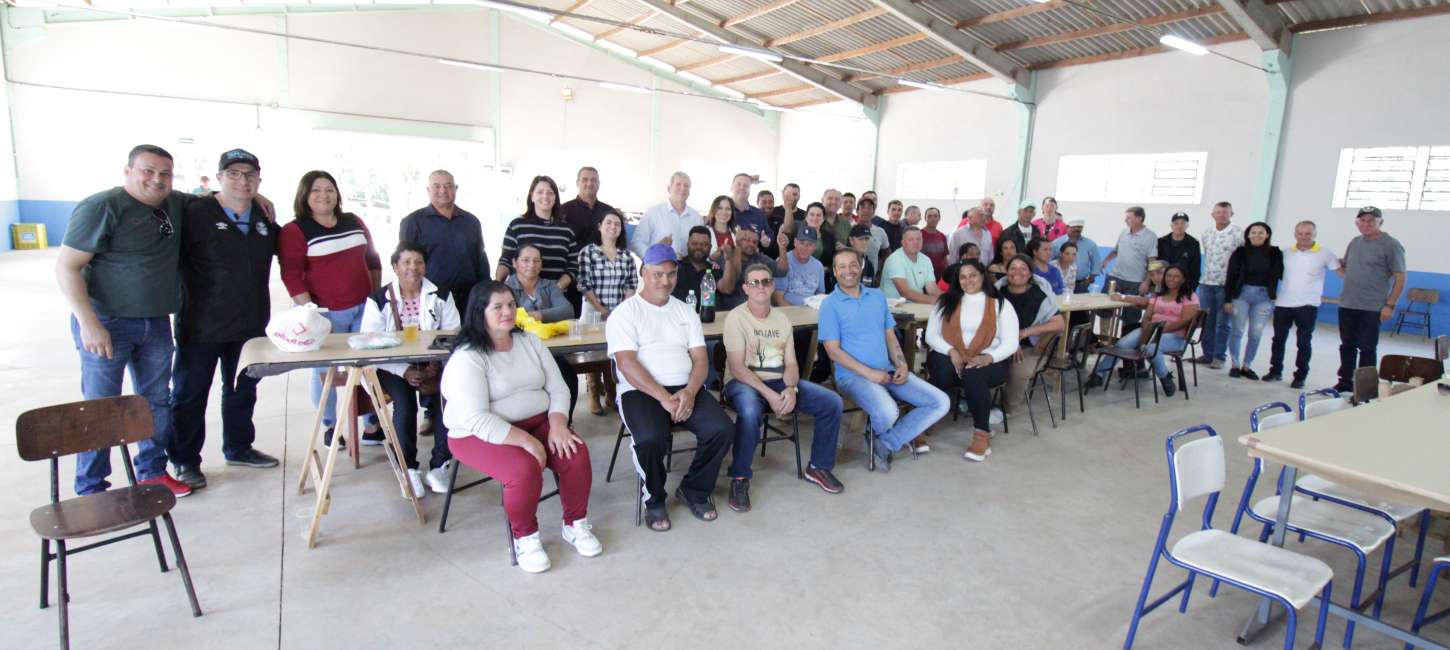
(328, 258)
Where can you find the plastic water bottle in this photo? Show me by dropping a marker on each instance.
(707, 298)
(690, 300)
(1069, 283)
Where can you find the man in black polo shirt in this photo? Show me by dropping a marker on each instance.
(584, 213)
(227, 246)
(891, 224)
(695, 265)
(453, 238)
(1180, 248)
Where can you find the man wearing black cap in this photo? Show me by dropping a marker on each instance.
(1181, 249)
(1374, 275)
(860, 241)
(227, 245)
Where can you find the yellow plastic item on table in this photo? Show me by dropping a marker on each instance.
(542, 330)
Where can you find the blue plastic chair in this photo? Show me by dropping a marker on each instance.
(1439, 566)
(1357, 530)
(1319, 488)
(1288, 578)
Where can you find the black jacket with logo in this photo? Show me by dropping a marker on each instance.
(224, 275)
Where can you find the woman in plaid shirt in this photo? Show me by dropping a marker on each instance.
(607, 276)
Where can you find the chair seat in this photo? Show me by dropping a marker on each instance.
(1294, 577)
(101, 513)
(1361, 529)
(1130, 354)
(1396, 511)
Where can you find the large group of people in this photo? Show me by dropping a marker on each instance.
(503, 404)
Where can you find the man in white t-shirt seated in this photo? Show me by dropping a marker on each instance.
(658, 347)
(1297, 305)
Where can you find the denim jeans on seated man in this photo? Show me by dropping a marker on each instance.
(144, 346)
(1166, 343)
(1216, 324)
(343, 321)
(814, 400)
(879, 402)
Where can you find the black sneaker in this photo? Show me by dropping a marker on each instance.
(1273, 376)
(740, 494)
(1344, 388)
(1203, 359)
(1249, 374)
(1297, 384)
(327, 439)
(1169, 386)
(252, 458)
(191, 476)
(373, 439)
(825, 479)
(1235, 373)
(1093, 382)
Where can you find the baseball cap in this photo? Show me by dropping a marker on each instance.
(659, 254)
(860, 232)
(238, 156)
(1369, 209)
(807, 233)
(1179, 215)
(1076, 223)
(1027, 205)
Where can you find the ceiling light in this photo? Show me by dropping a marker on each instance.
(921, 85)
(1180, 43)
(763, 55)
(624, 87)
(471, 65)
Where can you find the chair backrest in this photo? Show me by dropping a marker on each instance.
(1196, 468)
(1366, 384)
(1195, 328)
(1151, 333)
(1047, 342)
(1402, 368)
(1424, 295)
(64, 429)
(1331, 401)
(1265, 417)
(1082, 335)
(1442, 347)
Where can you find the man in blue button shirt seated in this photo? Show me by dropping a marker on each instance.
(804, 275)
(859, 334)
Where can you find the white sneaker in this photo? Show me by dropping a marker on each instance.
(437, 478)
(530, 553)
(581, 536)
(923, 448)
(415, 480)
(996, 416)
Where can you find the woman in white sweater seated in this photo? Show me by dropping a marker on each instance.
(972, 334)
(506, 418)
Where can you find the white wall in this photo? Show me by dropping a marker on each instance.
(1384, 85)
(831, 147)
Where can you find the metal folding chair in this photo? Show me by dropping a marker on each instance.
(768, 432)
(1288, 578)
(1194, 336)
(1044, 363)
(1148, 340)
(1079, 342)
(1416, 314)
(1441, 565)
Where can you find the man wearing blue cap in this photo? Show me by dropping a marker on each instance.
(226, 262)
(805, 276)
(658, 347)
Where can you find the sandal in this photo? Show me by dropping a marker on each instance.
(657, 518)
(703, 510)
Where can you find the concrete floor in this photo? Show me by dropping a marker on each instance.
(1043, 546)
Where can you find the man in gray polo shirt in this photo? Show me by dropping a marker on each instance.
(1135, 245)
(1374, 275)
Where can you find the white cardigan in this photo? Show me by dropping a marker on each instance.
(434, 313)
(1003, 345)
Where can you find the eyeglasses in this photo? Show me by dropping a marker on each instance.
(756, 284)
(239, 175)
(163, 222)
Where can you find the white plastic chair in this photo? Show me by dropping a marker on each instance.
(1291, 579)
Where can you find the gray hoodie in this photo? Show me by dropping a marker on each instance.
(1048, 308)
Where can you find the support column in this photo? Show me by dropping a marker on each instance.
(1276, 65)
(1026, 96)
(873, 115)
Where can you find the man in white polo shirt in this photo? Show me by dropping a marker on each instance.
(1297, 304)
(658, 347)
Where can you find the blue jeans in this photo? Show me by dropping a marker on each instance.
(1253, 310)
(144, 346)
(879, 402)
(1215, 323)
(343, 320)
(1166, 343)
(750, 407)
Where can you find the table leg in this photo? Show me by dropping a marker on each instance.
(1262, 614)
(324, 497)
(385, 421)
(312, 463)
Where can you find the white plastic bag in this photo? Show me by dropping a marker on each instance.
(299, 329)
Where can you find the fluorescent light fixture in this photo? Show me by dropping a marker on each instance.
(617, 49)
(729, 92)
(624, 87)
(470, 65)
(658, 64)
(770, 107)
(526, 12)
(919, 84)
(763, 55)
(573, 31)
(694, 78)
(1180, 43)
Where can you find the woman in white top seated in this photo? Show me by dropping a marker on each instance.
(412, 300)
(506, 418)
(972, 334)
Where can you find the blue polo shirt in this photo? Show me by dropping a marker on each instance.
(752, 217)
(859, 324)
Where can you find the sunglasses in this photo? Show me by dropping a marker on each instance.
(163, 222)
(756, 284)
